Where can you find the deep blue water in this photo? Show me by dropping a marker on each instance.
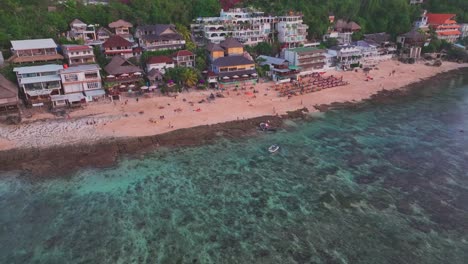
(386, 183)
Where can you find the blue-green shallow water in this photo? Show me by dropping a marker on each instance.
(384, 184)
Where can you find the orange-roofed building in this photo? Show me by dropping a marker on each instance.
(445, 26)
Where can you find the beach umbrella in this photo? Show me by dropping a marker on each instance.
(110, 76)
(152, 87)
(124, 75)
(144, 87)
(137, 73)
(131, 86)
(254, 74)
(245, 75)
(123, 86)
(225, 77)
(235, 76)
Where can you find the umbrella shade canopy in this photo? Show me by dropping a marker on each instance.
(123, 86)
(235, 76)
(137, 73)
(124, 75)
(225, 77)
(254, 74)
(144, 87)
(245, 75)
(131, 85)
(153, 87)
(110, 76)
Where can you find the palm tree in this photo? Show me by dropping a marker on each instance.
(189, 77)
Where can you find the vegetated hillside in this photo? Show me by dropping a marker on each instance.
(26, 19)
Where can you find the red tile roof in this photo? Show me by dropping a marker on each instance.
(182, 53)
(116, 41)
(437, 19)
(226, 4)
(449, 33)
(77, 47)
(159, 59)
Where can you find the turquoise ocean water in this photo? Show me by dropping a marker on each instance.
(385, 183)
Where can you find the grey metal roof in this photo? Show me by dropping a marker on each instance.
(271, 60)
(33, 44)
(38, 69)
(81, 68)
(39, 79)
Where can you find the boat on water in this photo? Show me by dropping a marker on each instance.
(273, 148)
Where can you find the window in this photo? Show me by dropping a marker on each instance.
(91, 75)
(71, 77)
(93, 85)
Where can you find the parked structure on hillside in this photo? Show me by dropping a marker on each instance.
(279, 69)
(306, 59)
(122, 28)
(230, 65)
(347, 56)
(184, 58)
(78, 54)
(34, 50)
(38, 83)
(445, 26)
(341, 30)
(122, 73)
(159, 37)
(118, 46)
(250, 27)
(160, 63)
(82, 79)
(411, 44)
(81, 31)
(9, 102)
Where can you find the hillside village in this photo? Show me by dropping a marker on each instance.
(240, 47)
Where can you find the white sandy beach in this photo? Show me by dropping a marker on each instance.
(103, 120)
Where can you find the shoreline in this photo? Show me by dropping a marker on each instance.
(50, 162)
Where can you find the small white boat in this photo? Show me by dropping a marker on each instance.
(273, 148)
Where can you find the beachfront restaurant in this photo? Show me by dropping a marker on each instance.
(234, 70)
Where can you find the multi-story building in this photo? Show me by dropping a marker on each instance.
(342, 30)
(117, 45)
(160, 63)
(78, 54)
(184, 58)
(34, 50)
(103, 34)
(445, 26)
(370, 55)
(38, 83)
(346, 56)
(81, 31)
(386, 48)
(421, 22)
(159, 37)
(279, 69)
(231, 65)
(250, 27)
(123, 73)
(81, 78)
(122, 28)
(307, 59)
(292, 32)
(411, 44)
(464, 30)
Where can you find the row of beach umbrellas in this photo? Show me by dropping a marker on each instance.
(237, 76)
(124, 75)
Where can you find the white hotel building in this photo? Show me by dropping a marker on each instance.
(250, 27)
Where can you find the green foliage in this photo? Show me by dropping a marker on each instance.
(187, 77)
(330, 42)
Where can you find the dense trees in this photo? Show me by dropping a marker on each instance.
(23, 19)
